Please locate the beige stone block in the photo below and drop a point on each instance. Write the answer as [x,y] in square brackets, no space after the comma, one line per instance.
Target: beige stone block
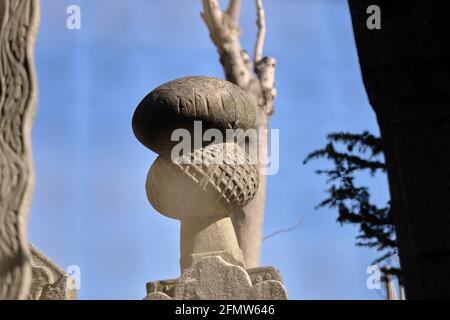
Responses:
[212,278]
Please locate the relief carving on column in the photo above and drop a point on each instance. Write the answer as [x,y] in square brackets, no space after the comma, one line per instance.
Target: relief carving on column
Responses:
[49,281]
[19,20]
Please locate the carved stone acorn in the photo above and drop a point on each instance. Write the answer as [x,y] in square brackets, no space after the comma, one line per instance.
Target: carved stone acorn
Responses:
[219,104]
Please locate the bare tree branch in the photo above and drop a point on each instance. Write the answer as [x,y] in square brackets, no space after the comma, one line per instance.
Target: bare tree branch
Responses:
[261,23]
[264,66]
[224,33]
[265,70]
[213,18]
[299,223]
[234,10]
[258,81]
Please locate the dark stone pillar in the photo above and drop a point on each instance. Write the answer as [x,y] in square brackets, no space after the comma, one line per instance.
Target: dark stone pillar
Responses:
[406,72]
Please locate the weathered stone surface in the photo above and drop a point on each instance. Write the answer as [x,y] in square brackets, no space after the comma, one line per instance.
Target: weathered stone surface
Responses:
[268,290]
[49,282]
[203,188]
[177,104]
[212,278]
[161,286]
[202,194]
[157,296]
[206,237]
[19,21]
[260,274]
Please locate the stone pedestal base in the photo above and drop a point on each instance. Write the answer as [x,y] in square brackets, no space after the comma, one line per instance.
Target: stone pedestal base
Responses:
[212,278]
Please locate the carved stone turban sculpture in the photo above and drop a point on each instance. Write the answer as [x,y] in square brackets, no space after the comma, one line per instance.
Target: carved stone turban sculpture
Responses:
[203,186]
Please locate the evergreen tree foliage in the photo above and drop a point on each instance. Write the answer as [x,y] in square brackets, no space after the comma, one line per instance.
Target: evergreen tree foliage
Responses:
[352,154]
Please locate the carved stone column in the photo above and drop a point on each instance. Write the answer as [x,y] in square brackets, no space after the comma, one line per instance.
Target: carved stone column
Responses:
[203,186]
[18,93]
[25,272]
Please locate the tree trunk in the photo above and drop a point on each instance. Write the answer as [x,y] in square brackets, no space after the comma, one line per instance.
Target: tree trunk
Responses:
[406,72]
[257,79]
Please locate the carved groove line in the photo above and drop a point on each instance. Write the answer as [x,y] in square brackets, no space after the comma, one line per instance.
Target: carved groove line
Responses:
[19,20]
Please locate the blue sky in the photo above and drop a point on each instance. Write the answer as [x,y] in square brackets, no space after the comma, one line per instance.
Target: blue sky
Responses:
[90,207]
